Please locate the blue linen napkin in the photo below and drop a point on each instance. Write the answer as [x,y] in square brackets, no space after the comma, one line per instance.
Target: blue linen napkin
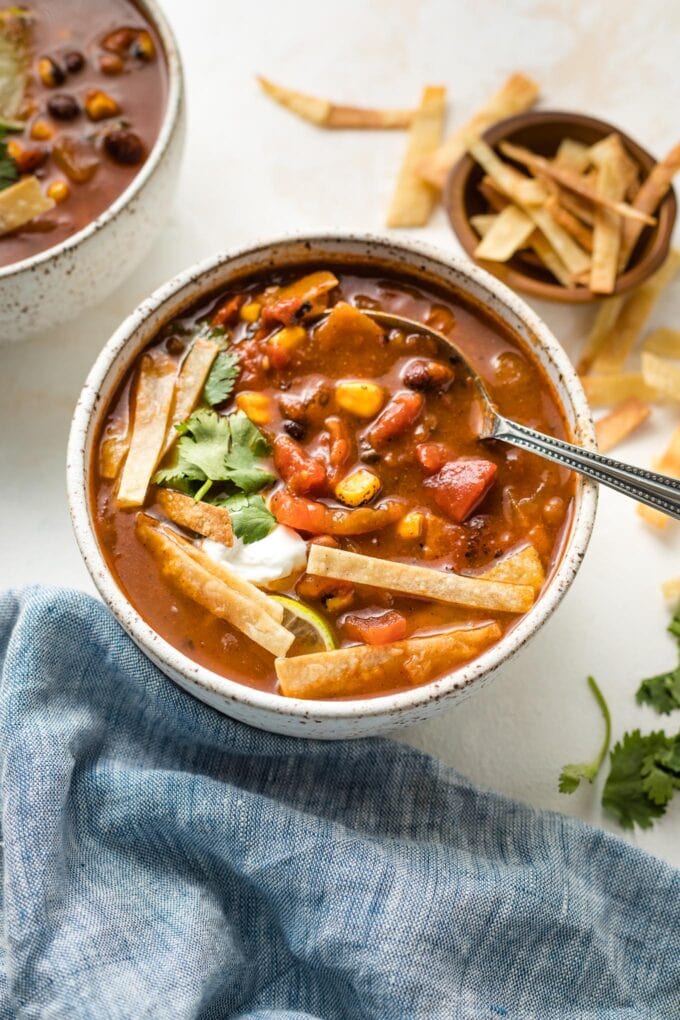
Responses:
[164,861]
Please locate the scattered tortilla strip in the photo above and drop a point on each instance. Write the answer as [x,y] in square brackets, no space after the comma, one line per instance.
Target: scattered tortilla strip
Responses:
[581,234]
[190,383]
[671,589]
[414,199]
[605,390]
[611,184]
[153,400]
[660,359]
[423,582]
[574,182]
[518,93]
[114,446]
[324,113]
[507,178]
[204,518]
[510,231]
[606,317]
[209,591]
[648,199]
[572,155]
[22,202]
[483,223]
[667,464]
[522,567]
[366,669]
[616,426]
[623,336]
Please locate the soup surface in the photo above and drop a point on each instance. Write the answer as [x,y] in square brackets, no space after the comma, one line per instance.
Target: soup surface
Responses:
[312,433]
[80,110]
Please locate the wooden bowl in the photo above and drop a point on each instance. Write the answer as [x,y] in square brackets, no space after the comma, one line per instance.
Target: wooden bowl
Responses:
[542,132]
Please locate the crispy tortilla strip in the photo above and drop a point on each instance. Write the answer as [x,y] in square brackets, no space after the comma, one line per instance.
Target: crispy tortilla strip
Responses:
[308,288]
[508,179]
[324,113]
[494,196]
[574,182]
[414,199]
[671,589]
[521,567]
[203,518]
[605,390]
[518,93]
[190,383]
[616,426]
[114,446]
[661,361]
[510,232]
[628,167]
[611,184]
[648,199]
[572,155]
[153,400]
[16,51]
[423,582]
[21,203]
[550,259]
[605,319]
[579,207]
[366,669]
[623,336]
[578,230]
[483,223]
[202,586]
[668,464]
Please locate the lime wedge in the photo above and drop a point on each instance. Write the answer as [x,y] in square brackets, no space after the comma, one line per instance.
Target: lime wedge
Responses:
[312,632]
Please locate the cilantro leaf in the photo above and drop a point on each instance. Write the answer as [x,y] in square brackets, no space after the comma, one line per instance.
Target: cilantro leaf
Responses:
[248,445]
[624,794]
[250,517]
[571,775]
[221,378]
[661,772]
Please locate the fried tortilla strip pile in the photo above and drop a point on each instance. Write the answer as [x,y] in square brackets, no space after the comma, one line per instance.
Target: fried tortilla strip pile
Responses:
[191,571]
[190,383]
[519,93]
[324,113]
[521,567]
[153,399]
[368,669]
[422,582]
[414,199]
[616,426]
[203,518]
[668,464]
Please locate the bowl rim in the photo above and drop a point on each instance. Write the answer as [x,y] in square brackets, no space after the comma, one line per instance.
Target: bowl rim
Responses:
[376,706]
[152,11]
[632,277]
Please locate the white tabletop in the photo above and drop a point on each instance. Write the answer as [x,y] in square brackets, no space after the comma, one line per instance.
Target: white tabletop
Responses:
[252,170]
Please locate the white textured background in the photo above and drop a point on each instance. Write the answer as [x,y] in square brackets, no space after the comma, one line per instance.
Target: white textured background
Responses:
[252,170]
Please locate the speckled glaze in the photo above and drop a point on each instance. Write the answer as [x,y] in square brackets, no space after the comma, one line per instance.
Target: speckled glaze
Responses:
[56,285]
[322,719]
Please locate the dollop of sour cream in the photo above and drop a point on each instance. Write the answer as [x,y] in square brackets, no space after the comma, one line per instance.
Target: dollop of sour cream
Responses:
[281,553]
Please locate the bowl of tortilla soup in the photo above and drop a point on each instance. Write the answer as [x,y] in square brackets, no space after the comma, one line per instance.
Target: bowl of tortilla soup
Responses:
[286,504]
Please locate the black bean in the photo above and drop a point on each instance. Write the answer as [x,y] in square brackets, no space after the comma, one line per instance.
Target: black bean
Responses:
[124,146]
[368,455]
[295,429]
[74,61]
[63,106]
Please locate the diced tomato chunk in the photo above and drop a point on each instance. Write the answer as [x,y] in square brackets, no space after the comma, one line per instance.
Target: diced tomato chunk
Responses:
[284,311]
[432,456]
[301,473]
[375,627]
[319,519]
[461,485]
[401,412]
[226,313]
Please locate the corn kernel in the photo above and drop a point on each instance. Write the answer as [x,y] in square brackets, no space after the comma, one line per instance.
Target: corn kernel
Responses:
[411,525]
[14,149]
[59,191]
[99,105]
[338,603]
[364,399]
[51,74]
[256,406]
[42,131]
[288,338]
[251,312]
[358,487]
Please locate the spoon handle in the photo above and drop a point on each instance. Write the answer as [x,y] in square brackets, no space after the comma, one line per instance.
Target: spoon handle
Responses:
[658,491]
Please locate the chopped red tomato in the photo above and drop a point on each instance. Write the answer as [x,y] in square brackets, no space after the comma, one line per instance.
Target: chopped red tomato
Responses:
[226,313]
[301,473]
[461,485]
[375,627]
[432,456]
[401,412]
[283,312]
[319,519]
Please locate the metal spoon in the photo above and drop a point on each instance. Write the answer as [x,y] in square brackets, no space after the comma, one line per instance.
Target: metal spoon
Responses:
[658,491]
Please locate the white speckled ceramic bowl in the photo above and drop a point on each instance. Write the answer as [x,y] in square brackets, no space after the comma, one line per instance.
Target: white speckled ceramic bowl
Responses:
[325,719]
[56,285]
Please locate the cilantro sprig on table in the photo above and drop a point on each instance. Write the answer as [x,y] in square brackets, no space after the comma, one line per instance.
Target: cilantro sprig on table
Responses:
[224,451]
[571,775]
[662,692]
